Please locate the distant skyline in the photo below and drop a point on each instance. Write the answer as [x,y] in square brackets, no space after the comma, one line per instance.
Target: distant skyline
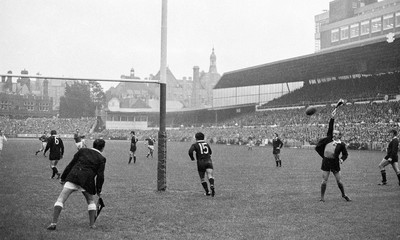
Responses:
[105,39]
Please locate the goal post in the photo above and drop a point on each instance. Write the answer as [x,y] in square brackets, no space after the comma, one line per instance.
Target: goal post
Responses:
[162,134]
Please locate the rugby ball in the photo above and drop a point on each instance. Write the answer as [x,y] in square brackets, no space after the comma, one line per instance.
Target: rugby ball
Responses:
[311,110]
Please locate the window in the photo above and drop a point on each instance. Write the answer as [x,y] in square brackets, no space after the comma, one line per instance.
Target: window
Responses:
[344,33]
[376,25]
[354,30]
[365,28]
[388,21]
[335,35]
[398,19]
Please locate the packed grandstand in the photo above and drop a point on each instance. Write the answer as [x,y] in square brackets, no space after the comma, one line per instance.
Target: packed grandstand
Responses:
[372,109]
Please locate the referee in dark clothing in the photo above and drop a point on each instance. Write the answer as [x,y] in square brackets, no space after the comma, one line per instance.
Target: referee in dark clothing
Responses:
[329,148]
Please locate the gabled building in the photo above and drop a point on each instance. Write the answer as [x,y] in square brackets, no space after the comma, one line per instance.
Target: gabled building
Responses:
[136,105]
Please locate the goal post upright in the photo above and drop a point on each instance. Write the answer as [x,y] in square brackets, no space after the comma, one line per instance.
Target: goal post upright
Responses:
[162,134]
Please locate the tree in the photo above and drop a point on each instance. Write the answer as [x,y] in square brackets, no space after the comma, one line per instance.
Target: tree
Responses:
[97,94]
[77,101]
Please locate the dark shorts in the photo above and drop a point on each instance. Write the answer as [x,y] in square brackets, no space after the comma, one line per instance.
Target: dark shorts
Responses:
[395,159]
[133,149]
[330,165]
[203,166]
[276,151]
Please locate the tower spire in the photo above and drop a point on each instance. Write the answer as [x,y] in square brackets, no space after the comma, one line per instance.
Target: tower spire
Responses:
[213,62]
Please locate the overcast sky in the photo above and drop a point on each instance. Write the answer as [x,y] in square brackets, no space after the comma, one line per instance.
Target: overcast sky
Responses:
[106,38]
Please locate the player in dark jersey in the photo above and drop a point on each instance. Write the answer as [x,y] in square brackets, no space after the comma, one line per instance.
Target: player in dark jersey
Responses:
[132,149]
[276,149]
[391,158]
[85,173]
[150,146]
[330,148]
[204,162]
[56,146]
[43,139]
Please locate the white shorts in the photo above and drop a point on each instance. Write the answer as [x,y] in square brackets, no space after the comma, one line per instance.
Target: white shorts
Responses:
[151,147]
[73,186]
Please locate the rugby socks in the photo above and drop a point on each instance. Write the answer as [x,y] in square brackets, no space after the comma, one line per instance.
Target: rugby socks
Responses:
[383,173]
[54,172]
[277,164]
[134,159]
[92,217]
[205,186]
[130,159]
[211,180]
[280,163]
[56,214]
[398,177]
[323,189]
[92,210]
[340,185]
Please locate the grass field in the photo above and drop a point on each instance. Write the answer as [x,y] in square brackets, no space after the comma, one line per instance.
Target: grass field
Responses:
[254,200]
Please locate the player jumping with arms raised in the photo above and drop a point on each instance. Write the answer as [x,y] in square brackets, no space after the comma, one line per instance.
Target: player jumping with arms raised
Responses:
[329,148]
[204,162]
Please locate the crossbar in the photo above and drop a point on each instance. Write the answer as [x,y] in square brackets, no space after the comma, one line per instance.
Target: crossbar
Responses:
[81,79]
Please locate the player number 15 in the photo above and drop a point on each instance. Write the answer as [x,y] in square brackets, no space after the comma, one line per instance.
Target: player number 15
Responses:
[203,148]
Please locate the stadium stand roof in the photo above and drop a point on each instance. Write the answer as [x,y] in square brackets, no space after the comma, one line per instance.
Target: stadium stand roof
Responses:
[378,57]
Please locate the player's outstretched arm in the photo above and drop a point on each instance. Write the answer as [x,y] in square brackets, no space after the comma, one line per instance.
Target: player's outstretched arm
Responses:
[333,114]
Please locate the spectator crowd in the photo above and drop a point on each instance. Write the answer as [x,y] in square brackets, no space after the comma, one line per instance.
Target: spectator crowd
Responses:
[364,126]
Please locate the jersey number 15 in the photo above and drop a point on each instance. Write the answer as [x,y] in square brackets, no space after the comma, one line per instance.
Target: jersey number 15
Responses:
[203,148]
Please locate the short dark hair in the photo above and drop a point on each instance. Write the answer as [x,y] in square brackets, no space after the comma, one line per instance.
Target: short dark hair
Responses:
[99,144]
[394,131]
[133,132]
[53,132]
[199,136]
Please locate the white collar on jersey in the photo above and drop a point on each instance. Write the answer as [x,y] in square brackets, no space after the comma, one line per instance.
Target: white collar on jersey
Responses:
[337,142]
[96,150]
